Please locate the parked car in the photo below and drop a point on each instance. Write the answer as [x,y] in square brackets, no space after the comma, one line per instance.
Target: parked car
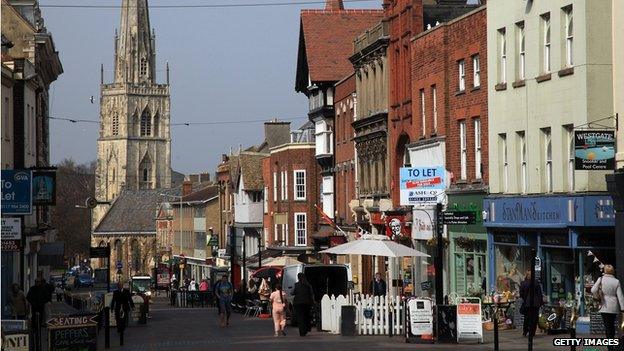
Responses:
[330,279]
[84,280]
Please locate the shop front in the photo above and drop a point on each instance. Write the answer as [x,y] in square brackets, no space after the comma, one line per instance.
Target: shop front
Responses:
[468,247]
[572,235]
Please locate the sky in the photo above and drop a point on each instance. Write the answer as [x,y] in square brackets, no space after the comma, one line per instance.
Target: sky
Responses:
[227,64]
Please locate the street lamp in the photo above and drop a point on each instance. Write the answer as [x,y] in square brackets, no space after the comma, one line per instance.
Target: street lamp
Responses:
[168,205]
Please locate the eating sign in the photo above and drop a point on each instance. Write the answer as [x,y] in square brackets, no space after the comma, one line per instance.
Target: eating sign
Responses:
[422,185]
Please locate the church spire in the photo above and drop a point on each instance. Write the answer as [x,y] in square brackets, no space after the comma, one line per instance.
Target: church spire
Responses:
[135,54]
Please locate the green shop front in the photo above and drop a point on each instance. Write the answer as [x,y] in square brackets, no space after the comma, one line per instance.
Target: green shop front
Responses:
[468,247]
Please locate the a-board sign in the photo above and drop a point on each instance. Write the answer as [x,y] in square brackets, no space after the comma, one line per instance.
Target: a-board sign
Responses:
[420,317]
[15,341]
[99,252]
[469,324]
[73,333]
[459,217]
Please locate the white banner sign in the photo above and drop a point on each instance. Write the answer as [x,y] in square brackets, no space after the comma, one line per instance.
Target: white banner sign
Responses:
[422,225]
[421,317]
[11,228]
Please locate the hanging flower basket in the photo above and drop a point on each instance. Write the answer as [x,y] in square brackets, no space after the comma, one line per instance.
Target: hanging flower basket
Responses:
[433,242]
[465,243]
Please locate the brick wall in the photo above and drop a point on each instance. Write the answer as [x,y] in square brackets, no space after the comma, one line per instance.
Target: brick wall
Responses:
[435,63]
[290,158]
[405,18]
[344,107]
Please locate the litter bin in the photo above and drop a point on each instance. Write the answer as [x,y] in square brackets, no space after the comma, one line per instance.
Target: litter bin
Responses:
[347,321]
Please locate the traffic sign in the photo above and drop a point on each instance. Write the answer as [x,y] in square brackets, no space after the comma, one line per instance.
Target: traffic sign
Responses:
[99,252]
[214,241]
[119,265]
[459,217]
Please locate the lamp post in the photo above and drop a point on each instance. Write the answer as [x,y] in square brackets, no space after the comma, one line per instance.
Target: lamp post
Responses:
[179,228]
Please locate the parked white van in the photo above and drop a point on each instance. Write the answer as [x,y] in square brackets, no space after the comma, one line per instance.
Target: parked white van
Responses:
[331,279]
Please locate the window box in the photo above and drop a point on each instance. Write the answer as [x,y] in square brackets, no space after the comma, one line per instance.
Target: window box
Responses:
[565,71]
[518,83]
[543,77]
[500,86]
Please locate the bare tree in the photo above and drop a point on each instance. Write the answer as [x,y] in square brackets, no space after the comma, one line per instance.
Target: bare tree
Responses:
[75,183]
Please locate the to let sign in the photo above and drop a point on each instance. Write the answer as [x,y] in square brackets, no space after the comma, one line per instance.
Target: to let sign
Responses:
[459,217]
[11,234]
[16,192]
[422,186]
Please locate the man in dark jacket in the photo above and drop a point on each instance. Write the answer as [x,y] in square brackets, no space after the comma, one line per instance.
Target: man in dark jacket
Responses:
[303,301]
[530,308]
[122,305]
[378,286]
[37,297]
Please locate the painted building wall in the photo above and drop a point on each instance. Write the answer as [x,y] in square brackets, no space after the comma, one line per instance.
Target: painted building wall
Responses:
[344,186]
[566,96]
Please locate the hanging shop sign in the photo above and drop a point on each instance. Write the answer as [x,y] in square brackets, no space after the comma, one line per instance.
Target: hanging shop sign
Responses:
[469,323]
[16,192]
[422,186]
[44,187]
[422,223]
[420,317]
[594,150]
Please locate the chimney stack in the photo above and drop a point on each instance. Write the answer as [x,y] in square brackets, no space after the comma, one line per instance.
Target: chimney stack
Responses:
[334,5]
[187,187]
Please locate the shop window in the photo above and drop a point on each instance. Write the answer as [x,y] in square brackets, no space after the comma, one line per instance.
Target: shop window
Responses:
[511,263]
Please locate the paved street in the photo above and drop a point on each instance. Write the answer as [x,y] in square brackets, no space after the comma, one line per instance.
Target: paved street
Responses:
[198,329]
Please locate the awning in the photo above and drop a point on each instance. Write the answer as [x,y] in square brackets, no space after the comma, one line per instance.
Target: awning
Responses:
[52,254]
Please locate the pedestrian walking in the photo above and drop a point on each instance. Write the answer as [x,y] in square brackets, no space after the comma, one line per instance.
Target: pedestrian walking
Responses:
[608,291]
[37,297]
[378,286]
[122,304]
[18,303]
[278,306]
[530,309]
[224,291]
[303,301]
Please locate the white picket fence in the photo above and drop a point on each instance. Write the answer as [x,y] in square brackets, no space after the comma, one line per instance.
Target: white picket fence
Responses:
[331,311]
[380,311]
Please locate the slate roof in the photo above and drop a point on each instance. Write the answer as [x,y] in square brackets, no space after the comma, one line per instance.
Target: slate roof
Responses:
[203,194]
[326,42]
[134,211]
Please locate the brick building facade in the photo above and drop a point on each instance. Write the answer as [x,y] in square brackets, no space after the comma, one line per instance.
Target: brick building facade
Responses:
[290,175]
[344,107]
[449,89]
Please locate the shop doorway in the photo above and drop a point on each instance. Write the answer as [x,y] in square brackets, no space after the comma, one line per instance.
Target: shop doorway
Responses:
[470,273]
[560,272]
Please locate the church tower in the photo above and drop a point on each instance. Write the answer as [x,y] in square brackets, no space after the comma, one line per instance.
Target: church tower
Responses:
[134,146]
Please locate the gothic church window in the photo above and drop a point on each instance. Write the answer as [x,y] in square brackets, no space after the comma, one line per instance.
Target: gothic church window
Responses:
[156,124]
[146,124]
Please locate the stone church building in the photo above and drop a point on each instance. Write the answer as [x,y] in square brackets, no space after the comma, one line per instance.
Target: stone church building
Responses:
[134,145]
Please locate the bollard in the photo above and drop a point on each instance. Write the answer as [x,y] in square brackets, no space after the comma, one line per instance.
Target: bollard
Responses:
[495,320]
[106,327]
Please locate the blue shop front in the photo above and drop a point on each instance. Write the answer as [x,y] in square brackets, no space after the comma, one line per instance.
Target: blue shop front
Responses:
[572,236]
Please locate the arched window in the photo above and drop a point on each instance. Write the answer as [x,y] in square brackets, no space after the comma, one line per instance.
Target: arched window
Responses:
[145,173]
[119,250]
[136,256]
[146,123]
